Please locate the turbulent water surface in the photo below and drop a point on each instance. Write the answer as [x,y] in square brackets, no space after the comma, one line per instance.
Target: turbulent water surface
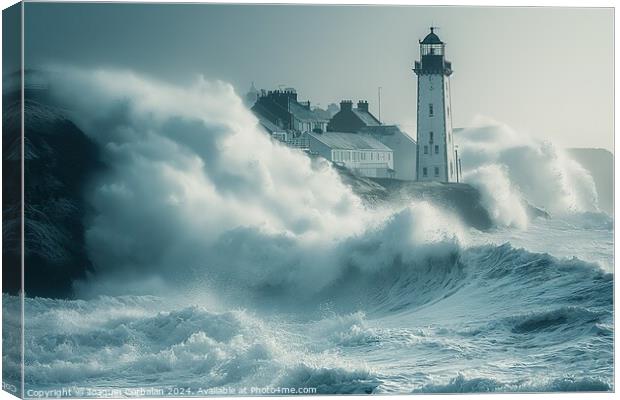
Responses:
[498,318]
[223,263]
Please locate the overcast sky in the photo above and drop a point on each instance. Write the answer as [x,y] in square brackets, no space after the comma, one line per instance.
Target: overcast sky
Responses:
[546,71]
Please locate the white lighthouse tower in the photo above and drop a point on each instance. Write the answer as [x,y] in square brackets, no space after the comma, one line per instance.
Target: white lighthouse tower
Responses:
[436,158]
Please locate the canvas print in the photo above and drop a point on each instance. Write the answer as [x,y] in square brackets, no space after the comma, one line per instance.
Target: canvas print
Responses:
[256,200]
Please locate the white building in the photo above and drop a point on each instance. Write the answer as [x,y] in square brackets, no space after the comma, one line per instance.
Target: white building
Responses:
[436,157]
[361,154]
[360,120]
[403,146]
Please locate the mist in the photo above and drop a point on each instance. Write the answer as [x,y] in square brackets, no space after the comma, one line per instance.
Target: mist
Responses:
[513,168]
[196,195]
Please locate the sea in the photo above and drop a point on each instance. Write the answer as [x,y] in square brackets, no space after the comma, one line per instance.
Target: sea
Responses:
[508,311]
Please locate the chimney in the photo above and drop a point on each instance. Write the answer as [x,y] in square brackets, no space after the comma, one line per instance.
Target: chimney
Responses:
[346,105]
[362,105]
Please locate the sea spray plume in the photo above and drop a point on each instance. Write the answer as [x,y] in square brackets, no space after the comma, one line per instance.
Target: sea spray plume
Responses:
[501,200]
[196,194]
[543,173]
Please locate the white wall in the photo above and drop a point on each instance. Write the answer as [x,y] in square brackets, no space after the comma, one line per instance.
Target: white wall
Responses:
[435,89]
[364,158]
[404,148]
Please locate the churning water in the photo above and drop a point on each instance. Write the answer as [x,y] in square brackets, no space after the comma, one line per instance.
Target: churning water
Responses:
[226,262]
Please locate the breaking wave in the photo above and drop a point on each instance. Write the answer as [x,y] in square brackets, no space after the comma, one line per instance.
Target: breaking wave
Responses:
[126,339]
[513,167]
[270,272]
[461,384]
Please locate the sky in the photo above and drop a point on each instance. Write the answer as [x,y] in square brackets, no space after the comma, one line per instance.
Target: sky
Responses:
[547,72]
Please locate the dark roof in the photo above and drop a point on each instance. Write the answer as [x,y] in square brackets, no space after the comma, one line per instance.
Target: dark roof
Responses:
[381,129]
[301,112]
[349,141]
[268,125]
[431,38]
[367,118]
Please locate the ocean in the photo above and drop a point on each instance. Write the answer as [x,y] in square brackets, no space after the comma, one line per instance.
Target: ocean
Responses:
[499,316]
[226,263]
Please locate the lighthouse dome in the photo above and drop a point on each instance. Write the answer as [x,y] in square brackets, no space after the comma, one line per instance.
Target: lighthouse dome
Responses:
[431,38]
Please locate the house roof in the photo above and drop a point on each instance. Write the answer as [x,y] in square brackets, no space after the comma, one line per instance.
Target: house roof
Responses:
[268,125]
[381,130]
[367,118]
[301,112]
[349,141]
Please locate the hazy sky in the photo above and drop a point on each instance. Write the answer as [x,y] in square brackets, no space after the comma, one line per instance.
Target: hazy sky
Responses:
[546,71]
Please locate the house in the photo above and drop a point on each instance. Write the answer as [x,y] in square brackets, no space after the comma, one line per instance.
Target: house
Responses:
[362,154]
[272,129]
[359,120]
[350,119]
[282,108]
[403,146]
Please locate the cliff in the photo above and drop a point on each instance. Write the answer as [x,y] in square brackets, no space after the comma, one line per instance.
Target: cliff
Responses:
[458,198]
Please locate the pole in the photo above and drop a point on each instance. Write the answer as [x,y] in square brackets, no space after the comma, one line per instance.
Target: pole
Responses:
[456,161]
[379,92]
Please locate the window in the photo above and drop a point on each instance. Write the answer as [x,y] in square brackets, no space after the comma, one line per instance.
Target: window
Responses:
[425,149]
[451,169]
[430,109]
[424,172]
[432,137]
[389,156]
[436,171]
[436,149]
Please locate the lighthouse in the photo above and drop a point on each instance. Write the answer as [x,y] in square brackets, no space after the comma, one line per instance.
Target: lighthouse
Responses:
[436,159]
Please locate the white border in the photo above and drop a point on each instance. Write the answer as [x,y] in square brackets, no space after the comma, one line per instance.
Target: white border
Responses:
[512,3]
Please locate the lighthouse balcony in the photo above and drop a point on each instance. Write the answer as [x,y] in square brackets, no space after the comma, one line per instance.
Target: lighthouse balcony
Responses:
[425,68]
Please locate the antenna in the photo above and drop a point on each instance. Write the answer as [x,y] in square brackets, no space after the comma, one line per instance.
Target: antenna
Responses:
[379,94]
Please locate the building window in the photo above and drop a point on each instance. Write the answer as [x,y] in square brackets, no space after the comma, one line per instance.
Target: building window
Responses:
[430,110]
[436,171]
[436,149]
[389,156]
[451,169]
[425,149]
[424,172]
[432,137]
